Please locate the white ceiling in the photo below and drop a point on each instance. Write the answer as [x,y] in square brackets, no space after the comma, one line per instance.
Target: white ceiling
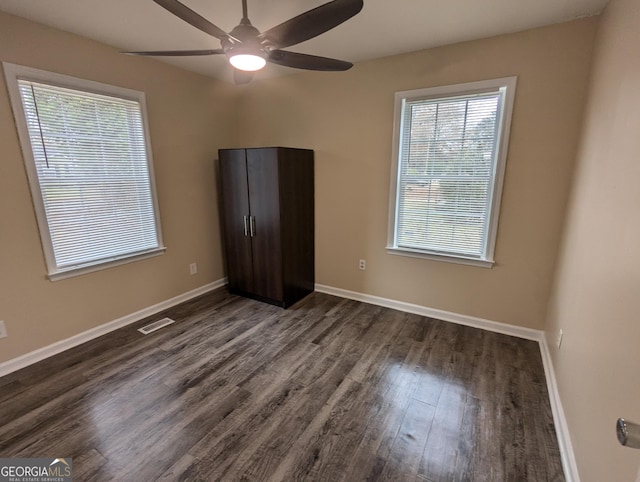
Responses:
[383,27]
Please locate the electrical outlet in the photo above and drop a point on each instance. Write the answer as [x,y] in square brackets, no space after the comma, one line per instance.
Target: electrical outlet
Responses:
[3,330]
[362,264]
[559,339]
[193,268]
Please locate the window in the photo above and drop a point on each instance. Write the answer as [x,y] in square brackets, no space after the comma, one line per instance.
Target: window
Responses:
[450,145]
[88,159]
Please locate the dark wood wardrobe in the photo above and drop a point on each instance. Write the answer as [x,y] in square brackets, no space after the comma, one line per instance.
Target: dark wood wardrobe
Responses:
[268,222]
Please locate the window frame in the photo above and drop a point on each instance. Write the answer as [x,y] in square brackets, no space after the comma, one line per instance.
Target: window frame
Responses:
[504,117]
[13,73]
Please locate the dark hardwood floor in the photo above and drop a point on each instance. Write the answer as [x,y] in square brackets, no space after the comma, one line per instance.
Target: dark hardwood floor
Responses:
[330,389]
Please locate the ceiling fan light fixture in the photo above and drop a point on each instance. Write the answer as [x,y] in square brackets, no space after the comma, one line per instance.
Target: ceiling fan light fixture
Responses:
[247,62]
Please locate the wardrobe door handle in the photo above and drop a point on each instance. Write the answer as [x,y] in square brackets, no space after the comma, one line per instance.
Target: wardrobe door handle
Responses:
[246,227]
[252,225]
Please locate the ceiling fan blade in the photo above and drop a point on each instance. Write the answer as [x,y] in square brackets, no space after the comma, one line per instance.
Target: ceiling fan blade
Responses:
[242,77]
[193,18]
[308,62]
[178,53]
[311,23]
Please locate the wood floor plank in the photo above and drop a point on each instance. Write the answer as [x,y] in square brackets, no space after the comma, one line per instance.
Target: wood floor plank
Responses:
[405,455]
[441,452]
[292,417]
[287,443]
[330,389]
[87,465]
[391,399]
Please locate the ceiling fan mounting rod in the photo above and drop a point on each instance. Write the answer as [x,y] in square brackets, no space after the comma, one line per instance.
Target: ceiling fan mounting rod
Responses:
[245,15]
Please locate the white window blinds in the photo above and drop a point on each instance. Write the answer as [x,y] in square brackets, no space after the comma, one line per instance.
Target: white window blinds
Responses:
[93,174]
[448,151]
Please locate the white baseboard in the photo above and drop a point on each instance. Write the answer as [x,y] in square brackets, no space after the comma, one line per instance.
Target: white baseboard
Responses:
[562,430]
[62,345]
[559,420]
[488,325]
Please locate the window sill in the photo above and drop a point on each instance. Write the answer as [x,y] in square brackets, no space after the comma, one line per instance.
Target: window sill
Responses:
[447,258]
[78,271]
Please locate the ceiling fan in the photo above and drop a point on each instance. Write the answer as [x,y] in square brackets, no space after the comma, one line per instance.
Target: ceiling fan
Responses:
[248,49]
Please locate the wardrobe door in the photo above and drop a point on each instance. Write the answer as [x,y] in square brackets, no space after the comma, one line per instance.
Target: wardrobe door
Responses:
[264,199]
[235,219]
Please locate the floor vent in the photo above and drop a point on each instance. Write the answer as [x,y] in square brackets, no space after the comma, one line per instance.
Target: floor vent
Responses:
[156,325]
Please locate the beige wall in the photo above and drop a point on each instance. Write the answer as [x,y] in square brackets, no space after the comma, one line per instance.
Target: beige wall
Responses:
[596,299]
[348,119]
[188,120]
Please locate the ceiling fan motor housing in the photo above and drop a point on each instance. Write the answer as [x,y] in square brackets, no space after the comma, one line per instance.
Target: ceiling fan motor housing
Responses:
[249,43]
